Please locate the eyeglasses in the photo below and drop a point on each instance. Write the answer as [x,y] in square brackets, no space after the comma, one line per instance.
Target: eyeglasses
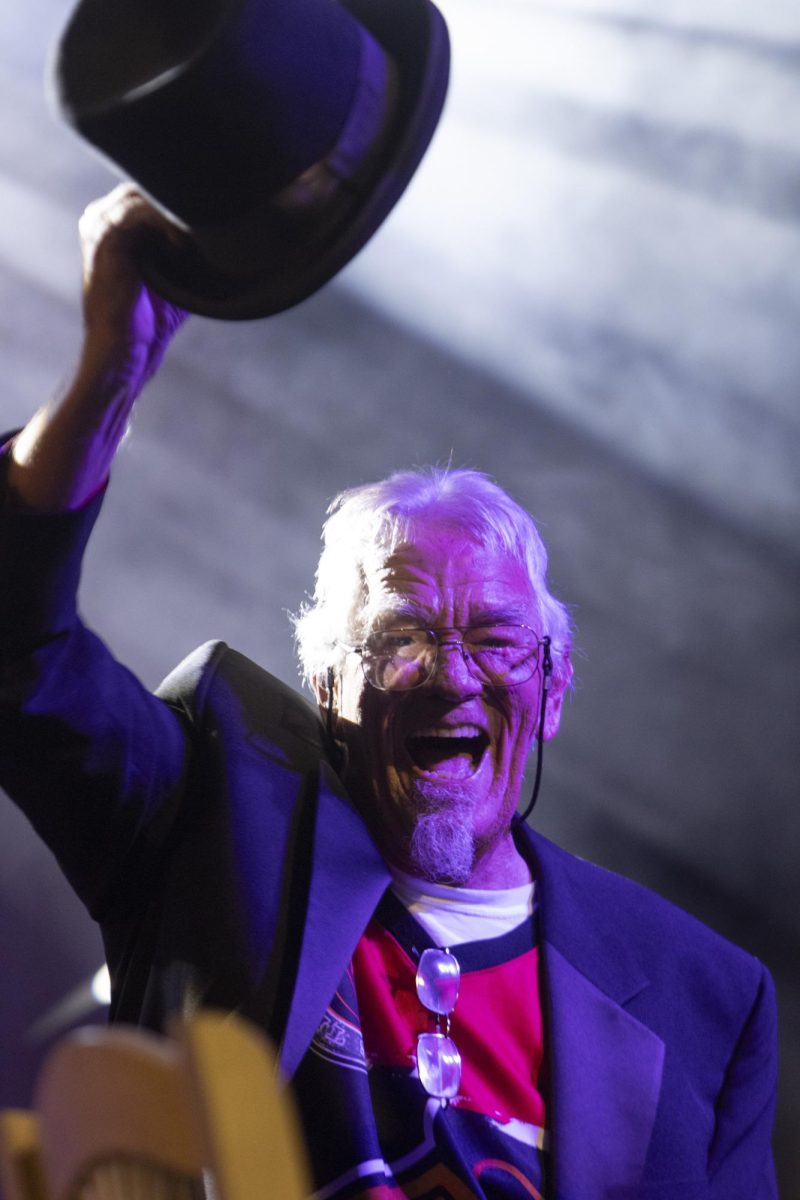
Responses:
[438,1060]
[397,660]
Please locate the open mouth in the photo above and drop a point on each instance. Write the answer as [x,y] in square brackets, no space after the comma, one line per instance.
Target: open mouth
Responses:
[453,752]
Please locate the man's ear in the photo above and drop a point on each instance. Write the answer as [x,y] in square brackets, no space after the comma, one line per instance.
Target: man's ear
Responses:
[555,700]
[552,714]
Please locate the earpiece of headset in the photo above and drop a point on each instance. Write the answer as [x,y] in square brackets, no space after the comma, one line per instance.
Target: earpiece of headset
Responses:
[337,750]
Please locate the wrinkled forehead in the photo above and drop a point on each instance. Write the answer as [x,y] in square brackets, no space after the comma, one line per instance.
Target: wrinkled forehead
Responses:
[442,576]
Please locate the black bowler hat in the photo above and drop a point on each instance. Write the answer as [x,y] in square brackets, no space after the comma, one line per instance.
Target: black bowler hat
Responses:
[216,107]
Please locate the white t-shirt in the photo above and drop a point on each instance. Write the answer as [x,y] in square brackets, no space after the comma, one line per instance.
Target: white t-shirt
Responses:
[451,915]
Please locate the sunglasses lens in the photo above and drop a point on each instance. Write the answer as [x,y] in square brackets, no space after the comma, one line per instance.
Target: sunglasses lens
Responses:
[438,976]
[438,1065]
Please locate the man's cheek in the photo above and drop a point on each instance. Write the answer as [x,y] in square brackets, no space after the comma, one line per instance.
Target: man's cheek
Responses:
[376,734]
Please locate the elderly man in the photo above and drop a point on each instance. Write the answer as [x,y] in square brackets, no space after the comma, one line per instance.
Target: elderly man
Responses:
[465,1010]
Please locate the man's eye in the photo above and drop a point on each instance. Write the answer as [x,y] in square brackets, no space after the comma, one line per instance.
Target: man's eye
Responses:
[494,638]
[393,641]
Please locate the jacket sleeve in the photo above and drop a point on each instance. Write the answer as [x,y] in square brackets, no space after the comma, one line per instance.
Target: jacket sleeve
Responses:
[740,1162]
[94,760]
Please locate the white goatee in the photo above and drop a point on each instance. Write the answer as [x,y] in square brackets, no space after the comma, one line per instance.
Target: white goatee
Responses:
[441,848]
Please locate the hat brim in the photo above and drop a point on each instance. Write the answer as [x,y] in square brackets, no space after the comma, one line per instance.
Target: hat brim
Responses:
[297,259]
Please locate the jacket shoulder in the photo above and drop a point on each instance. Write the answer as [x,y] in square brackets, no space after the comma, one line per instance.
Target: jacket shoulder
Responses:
[229,695]
[663,937]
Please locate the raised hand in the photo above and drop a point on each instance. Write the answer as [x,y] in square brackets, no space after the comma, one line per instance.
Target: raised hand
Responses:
[65,452]
[127,324]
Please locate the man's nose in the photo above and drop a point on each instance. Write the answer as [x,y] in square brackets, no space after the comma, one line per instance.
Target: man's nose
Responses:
[455,673]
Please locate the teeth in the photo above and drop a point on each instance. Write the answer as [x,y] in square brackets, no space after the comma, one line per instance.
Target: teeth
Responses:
[433,758]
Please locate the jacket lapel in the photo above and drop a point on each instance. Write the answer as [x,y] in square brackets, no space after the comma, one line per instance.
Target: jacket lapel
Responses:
[606,1072]
[606,1066]
[331,877]
[347,879]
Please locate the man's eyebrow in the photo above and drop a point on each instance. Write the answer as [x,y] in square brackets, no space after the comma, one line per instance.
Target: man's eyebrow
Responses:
[405,611]
[402,611]
[507,615]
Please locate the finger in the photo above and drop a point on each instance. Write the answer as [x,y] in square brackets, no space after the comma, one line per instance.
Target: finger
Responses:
[122,216]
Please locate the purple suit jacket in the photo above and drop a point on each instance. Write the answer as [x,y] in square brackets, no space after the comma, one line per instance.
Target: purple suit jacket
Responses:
[208,834]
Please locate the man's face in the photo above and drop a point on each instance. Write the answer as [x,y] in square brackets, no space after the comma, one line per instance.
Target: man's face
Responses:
[437,770]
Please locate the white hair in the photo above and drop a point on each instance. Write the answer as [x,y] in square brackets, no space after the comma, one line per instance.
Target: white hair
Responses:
[366,524]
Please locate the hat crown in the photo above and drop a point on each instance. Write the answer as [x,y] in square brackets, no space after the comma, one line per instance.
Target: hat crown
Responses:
[111,48]
[209,104]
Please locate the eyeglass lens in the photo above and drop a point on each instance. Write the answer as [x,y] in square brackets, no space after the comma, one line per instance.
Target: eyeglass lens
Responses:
[438,979]
[438,1065]
[438,1060]
[402,659]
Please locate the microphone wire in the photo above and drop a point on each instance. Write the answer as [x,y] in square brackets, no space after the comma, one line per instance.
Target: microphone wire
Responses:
[547,671]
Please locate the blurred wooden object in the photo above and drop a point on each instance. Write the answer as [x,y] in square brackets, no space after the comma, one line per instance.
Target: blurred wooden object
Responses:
[21,1174]
[128,1115]
[249,1124]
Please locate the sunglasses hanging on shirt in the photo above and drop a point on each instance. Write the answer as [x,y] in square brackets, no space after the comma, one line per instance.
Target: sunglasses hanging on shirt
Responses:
[438,1059]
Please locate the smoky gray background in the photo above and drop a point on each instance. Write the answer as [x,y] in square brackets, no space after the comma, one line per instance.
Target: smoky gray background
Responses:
[591,291]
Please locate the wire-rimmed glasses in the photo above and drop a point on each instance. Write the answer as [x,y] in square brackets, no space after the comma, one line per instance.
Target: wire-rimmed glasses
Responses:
[398,660]
[438,1059]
